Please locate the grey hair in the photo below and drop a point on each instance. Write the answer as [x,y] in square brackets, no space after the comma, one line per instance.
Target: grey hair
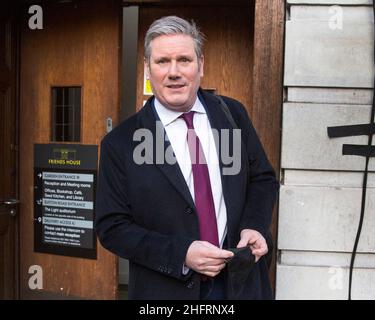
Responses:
[173,25]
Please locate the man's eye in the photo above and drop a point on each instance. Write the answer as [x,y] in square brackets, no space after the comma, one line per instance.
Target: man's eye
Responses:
[184,60]
[161,61]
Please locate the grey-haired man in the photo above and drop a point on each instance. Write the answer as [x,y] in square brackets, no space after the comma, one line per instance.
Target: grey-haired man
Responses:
[174,221]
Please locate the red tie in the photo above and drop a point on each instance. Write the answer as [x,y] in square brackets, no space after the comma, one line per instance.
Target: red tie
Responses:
[204,201]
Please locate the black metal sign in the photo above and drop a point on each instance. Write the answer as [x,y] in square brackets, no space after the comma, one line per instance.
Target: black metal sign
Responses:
[64,199]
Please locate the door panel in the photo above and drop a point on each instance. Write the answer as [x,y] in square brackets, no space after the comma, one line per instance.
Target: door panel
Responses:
[78,46]
[8,222]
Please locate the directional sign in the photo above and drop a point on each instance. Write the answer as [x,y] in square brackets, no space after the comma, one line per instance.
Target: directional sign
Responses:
[64,199]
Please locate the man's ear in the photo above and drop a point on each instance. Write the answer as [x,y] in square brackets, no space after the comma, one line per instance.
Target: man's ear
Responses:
[201,65]
[147,69]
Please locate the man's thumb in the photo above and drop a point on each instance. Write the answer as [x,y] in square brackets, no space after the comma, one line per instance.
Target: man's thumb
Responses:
[243,243]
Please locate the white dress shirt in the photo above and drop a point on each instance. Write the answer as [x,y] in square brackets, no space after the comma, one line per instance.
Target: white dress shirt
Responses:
[176,131]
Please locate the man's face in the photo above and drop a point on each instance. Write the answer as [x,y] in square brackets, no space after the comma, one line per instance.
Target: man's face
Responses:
[174,71]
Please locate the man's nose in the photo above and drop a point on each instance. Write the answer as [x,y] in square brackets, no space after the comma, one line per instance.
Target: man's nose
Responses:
[173,70]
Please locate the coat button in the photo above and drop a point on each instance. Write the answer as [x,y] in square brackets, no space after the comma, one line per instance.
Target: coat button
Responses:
[190,285]
[188,210]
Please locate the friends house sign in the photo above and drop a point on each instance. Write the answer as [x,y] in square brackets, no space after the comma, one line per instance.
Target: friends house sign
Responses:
[64,199]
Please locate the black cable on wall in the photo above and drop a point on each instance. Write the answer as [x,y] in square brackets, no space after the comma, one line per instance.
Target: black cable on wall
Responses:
[365,151]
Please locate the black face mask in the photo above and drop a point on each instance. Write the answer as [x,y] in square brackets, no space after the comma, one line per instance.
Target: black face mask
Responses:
[239,268]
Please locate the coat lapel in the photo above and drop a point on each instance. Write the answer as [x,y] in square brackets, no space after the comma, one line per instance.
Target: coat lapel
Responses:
[148,119]
[231,184]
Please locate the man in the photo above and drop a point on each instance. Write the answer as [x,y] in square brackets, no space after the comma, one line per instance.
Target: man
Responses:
[175,220]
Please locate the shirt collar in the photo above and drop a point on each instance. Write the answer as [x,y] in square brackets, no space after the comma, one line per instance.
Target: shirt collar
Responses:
[167,116]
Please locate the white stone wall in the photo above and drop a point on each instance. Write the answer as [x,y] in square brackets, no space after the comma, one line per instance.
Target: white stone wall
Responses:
[328,79]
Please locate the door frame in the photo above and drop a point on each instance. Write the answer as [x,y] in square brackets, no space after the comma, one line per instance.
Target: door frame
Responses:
[268,90]
[12,16]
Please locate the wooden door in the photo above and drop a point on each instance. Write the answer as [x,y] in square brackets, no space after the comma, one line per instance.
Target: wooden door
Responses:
[8,172]
[227,51]
[79,46]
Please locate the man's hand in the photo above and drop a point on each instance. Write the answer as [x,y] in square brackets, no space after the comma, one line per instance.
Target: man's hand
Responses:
[255,241]
[205,258]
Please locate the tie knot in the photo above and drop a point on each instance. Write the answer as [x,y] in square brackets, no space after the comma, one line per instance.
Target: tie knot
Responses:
[188,117]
